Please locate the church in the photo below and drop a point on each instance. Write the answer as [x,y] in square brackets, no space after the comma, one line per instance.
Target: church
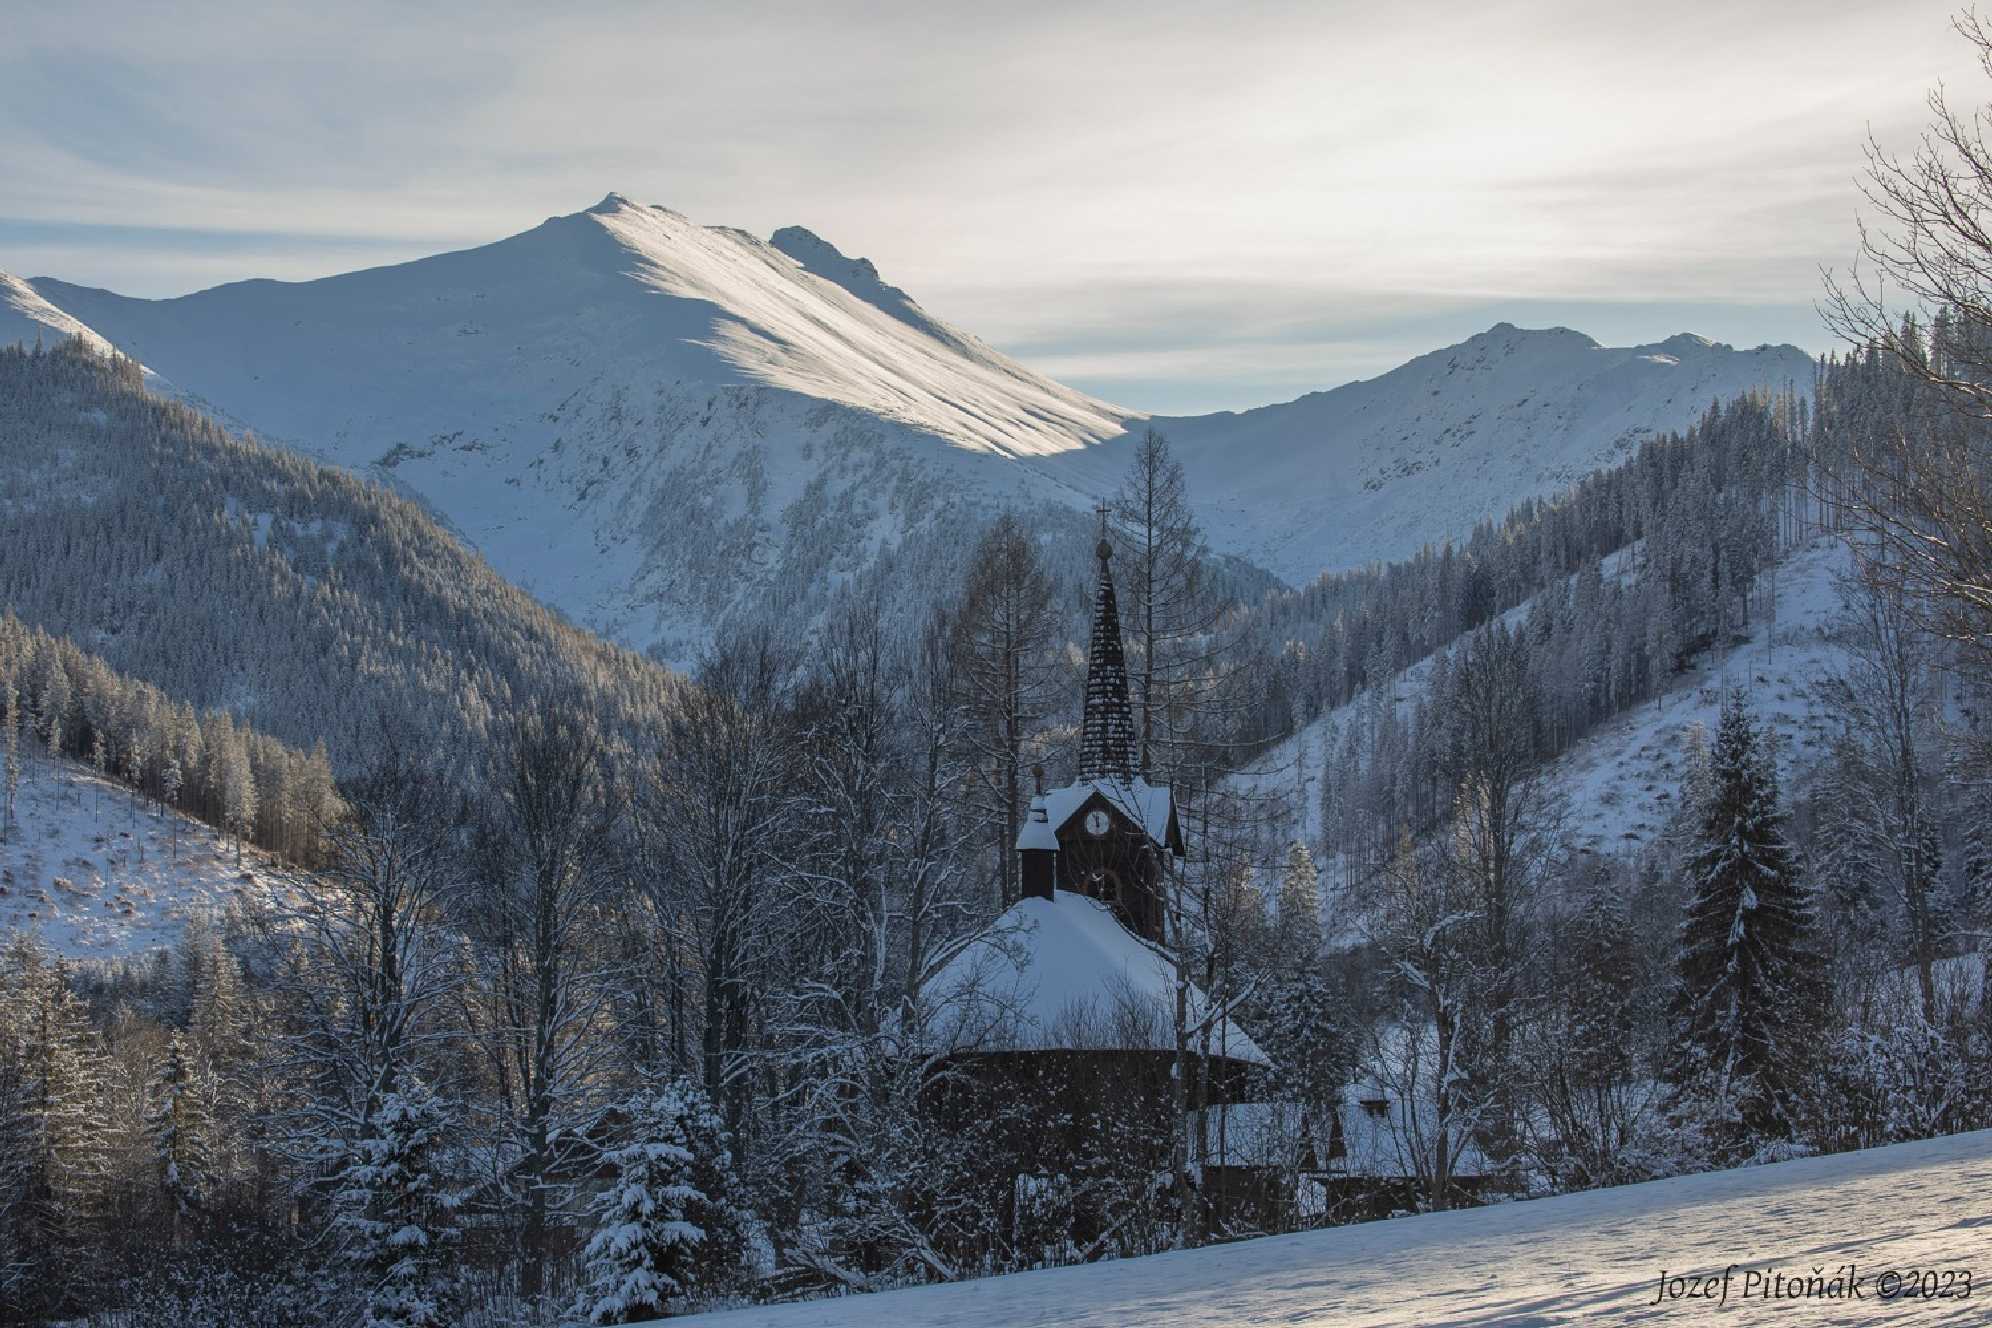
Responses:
[1060,1020]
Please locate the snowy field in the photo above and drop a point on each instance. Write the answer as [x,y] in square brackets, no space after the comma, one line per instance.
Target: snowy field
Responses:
[1593,1258]
[95,876]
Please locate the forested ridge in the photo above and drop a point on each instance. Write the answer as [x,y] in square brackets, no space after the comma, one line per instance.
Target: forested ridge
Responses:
[306,602]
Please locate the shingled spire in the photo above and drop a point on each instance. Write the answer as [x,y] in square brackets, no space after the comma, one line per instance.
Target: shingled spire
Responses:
[1106,737]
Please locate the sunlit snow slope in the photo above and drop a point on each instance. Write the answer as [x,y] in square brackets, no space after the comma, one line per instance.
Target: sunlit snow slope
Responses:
[92,872]
[647,422]
[26,318]
[1592,1258]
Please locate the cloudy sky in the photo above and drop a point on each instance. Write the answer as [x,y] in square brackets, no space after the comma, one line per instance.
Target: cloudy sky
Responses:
[1176,207]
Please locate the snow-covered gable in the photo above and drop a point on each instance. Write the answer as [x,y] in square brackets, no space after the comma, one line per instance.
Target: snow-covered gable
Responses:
[1064,974]
[1257,1134]
[1380,1134]
[1141,802]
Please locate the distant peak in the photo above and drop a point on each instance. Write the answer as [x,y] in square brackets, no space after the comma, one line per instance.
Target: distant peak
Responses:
[818,255]
[858,276]
[611,202]
[1687,341]
[1507,332]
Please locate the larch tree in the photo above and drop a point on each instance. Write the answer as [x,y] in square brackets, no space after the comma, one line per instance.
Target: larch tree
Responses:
[1877,784]
[1008,629]
[1170,613]
[541,908]
[1920,487]
[367,965]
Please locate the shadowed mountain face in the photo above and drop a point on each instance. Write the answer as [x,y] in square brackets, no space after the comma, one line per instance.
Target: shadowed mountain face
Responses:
[657,426]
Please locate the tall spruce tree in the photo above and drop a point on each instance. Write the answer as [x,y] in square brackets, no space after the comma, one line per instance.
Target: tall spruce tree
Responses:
[393,1214]
[1748,984]
[669,1226]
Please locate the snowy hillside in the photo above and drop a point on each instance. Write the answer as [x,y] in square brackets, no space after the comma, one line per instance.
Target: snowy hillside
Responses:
[93,874]
[651,424]
[1373,470]
[1621,781]
[1590,1258]
[1618,784]
[644,421]
[25,318]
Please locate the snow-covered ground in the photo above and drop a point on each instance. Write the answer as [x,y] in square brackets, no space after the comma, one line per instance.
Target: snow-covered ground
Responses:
[1593,1258]
[94,876]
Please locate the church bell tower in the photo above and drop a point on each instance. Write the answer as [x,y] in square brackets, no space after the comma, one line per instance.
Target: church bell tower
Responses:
[1109,833]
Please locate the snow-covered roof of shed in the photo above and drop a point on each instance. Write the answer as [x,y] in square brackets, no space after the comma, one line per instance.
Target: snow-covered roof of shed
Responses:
[1141,802]
[1380,1130]
[1261,1134]
[1064,974]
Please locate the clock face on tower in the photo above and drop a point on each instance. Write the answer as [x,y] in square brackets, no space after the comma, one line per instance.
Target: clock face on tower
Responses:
[1097,823]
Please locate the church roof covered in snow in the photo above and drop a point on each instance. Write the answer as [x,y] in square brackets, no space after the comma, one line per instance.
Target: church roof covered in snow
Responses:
[1064,974]
[1138,800]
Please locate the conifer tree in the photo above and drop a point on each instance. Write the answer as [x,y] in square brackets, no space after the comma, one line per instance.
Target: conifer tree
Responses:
[1748,985]
[12,758]
[395,1215]
[54,1148]
[668,1227]
[182,1124]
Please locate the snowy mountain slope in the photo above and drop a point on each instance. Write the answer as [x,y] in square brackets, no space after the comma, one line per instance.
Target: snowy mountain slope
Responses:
[653,424]
[1372,470]
[1621,781]
[25,318]
[646,422]
[94,874]
[1618,784]
[1590,1258]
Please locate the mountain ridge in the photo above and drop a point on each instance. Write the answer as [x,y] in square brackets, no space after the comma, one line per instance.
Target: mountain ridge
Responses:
[658,427]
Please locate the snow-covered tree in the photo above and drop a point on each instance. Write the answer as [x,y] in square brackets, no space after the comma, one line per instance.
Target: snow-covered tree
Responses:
[1748,987]
[668,1226]
[395,1214]
[52,1147]
[182,1126]
[10,759]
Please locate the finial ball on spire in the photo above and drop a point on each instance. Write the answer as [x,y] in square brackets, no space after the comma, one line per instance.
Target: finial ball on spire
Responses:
[1106,550]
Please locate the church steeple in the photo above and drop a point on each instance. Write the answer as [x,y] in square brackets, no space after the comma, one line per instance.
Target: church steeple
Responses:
[1106,736]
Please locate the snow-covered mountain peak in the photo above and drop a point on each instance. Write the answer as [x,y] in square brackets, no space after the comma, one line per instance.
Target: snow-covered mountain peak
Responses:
[859,276]
[622,408]
[647,422]
[1377,468]
[1687,343]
